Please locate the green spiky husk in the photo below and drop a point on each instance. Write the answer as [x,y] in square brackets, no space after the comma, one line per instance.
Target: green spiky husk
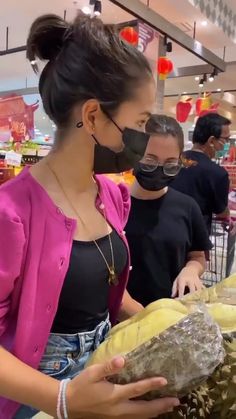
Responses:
[215,399]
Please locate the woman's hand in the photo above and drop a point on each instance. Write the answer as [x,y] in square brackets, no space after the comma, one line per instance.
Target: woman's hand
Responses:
[188,278]
[90,395]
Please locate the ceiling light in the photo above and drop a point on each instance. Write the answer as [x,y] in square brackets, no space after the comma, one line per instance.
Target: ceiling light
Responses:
[213,74]
[203,80]
[86,10]
[201,83]
[197,78]
[219,90]
[184,93]
[98,8]
[204,23]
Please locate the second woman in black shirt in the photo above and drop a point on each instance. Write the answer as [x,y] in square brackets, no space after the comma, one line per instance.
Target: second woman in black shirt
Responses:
[166,231]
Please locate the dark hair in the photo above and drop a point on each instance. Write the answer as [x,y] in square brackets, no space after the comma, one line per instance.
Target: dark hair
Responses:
[165,125]
[87,59]
[207,126]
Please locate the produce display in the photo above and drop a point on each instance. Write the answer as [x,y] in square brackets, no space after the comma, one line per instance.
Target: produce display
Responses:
[191,342]
[167,339]
[216,398]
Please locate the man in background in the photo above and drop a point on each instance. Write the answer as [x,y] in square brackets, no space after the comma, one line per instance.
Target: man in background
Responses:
[201,178]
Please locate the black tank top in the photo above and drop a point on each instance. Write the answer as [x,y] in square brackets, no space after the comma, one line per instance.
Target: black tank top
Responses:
[83,302]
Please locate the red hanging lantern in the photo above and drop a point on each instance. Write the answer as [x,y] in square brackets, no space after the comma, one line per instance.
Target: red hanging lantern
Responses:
[130,35]
[164,67]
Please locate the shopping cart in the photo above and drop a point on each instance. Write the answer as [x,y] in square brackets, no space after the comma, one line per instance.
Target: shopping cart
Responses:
[221,256]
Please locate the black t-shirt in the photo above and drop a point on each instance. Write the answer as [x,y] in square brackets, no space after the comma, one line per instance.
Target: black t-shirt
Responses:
[83,302]
[206,182]
[161,233]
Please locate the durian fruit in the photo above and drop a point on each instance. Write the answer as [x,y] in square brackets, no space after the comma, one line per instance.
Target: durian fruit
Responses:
[215,399]
[166,303]
[222,386]
[224,315]
[125,339]
[217,293]
[172,304]
[229,282]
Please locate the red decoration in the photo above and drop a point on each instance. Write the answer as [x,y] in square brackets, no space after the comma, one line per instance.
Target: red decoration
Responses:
[203,103]
[164,67]
[16,118]
[212,109]
[183,109]
[130,35]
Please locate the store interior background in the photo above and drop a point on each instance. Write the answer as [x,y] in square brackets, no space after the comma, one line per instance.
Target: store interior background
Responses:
[16,72]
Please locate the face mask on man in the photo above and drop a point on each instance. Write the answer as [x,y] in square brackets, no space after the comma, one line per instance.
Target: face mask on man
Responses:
[108,161]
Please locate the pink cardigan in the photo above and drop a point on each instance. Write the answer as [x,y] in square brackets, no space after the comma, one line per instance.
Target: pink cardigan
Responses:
[35,247]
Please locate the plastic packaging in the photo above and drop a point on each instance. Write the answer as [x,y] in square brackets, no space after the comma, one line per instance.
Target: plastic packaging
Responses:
[186,354]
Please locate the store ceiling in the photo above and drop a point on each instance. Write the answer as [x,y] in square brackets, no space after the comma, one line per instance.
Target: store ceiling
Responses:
[16,73]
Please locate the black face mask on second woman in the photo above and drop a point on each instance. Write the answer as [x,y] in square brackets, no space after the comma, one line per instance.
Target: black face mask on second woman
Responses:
[152,181]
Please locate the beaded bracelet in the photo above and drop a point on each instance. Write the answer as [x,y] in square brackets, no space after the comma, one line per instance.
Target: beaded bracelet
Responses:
[61,401]
[59,416]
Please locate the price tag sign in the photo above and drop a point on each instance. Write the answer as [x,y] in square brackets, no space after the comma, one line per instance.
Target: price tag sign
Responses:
[13,159]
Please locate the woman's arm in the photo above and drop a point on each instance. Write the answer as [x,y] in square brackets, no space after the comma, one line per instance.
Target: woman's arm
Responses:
[23,384]
[196,262]
[129,307]
[190,275]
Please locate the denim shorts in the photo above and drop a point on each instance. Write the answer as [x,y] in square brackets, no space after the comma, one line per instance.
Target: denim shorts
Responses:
[65,357]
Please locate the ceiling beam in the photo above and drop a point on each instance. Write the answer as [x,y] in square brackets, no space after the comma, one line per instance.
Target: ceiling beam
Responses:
[157,22]
[13,50]
[20,92]
[199,93]
[195,70]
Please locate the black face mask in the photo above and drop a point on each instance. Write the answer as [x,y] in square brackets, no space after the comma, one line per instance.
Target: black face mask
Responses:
[107,161]
[153,181]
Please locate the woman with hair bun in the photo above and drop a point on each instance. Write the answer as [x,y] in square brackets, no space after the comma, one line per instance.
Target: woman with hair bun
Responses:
[64,260]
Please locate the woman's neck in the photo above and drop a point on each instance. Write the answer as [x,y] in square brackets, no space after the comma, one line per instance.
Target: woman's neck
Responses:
[138,192]
[73,164]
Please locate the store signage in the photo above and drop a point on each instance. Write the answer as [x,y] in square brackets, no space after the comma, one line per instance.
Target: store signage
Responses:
[13,159]
[146,35]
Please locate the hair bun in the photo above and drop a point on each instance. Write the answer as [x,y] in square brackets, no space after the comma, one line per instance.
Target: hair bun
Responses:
[46,37]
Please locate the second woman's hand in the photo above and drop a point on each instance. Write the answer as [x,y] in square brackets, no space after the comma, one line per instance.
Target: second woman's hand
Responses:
[186,279]
[91,395]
